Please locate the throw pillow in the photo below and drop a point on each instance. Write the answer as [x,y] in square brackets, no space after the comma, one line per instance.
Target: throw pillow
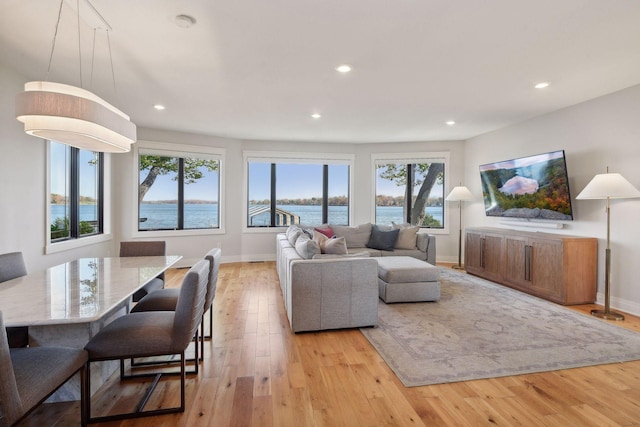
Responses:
[382,240]
[306,247]
[320,239]
[335,246]
[355,237]
[292,234]
[407,237]
[328,231]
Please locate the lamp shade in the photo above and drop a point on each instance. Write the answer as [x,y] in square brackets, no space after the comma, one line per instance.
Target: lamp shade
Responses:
[609,186]
[459,194]
[75,117]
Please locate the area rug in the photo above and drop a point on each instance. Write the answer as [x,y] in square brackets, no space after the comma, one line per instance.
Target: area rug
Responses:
[482,330]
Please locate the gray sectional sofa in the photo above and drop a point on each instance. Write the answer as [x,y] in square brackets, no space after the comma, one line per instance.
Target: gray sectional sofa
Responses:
[329,291]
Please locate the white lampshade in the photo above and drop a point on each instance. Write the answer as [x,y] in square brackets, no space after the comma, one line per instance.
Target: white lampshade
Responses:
[459,194]
[609,186]
[75,117]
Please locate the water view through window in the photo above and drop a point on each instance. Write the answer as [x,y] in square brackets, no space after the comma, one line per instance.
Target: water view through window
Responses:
[178,193]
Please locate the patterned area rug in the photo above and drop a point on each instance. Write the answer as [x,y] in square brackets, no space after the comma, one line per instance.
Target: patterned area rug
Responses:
[482,330]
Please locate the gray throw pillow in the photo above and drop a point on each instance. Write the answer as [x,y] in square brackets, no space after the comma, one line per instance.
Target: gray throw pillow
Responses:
[382,240]
[306,247]
[292,234]
[355,237]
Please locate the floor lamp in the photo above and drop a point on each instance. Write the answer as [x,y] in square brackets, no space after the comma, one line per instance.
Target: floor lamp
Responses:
[608,186]
[459,194]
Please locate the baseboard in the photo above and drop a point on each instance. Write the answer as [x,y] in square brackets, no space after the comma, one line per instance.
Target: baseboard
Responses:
[620,304]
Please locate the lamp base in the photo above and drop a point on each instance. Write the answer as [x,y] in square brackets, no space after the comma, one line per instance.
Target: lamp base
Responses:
[607,315]
[458,267]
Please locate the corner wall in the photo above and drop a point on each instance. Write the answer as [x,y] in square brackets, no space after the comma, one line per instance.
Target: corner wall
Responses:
[594,134]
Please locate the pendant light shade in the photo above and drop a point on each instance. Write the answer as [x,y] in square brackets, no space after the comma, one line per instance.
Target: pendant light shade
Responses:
[74,116]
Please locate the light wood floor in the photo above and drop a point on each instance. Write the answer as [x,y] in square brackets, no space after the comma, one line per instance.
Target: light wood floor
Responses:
[257,373]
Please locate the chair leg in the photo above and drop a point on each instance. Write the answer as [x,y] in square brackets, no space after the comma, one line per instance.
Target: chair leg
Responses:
[139,412]
[84,395]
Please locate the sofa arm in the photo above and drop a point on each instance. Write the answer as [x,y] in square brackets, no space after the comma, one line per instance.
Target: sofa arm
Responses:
[427,243]
[333,294]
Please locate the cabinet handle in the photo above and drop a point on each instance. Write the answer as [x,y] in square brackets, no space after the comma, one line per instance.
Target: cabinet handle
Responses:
[482,252]
[527,262]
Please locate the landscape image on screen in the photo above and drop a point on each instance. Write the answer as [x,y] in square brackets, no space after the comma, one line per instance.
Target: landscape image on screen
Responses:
[534,187]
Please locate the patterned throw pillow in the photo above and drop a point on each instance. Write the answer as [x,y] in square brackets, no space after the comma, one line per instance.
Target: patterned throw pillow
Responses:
[335,246]
[306,247]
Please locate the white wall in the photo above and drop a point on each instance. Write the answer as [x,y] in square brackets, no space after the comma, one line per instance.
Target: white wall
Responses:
[595,134]
[22,187]
[259,245]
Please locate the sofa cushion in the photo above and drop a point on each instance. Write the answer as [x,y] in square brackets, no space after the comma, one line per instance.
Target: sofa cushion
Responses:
[355,237]
[335,246]
[406,237]
[383,240]
[403,269]
[306,247]
[363,254]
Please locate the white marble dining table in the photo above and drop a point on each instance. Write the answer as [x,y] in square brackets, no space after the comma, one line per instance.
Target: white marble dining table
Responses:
[79,291]
[67,304]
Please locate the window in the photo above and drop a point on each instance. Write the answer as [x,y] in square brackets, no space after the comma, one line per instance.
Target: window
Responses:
[285,191]
[178,192]
[410,189]
[76,192]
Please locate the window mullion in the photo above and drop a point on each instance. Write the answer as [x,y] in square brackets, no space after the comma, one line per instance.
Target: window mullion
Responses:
[180,193]
[273,195]
[325,194]
[74,197]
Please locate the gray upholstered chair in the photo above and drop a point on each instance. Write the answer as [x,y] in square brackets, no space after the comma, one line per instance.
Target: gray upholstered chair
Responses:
[11,267]
[165,299]
[148,334]
[145,248]
[30,375]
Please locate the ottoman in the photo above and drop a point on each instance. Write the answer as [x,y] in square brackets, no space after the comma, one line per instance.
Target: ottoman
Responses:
[407,279]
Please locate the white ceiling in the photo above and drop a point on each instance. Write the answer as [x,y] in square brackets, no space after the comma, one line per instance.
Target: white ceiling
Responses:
[257,69]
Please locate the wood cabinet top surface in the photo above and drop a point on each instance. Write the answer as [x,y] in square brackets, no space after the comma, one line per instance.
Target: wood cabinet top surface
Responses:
[529,234]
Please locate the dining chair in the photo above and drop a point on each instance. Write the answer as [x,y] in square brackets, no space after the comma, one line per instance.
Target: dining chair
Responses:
[149,334]
[145,248]
[11,267]
[28,376]
[165,299]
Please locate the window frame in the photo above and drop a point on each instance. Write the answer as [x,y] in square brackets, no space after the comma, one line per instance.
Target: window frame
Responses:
[295,158]
[413,158]
[177,150]
[104,196]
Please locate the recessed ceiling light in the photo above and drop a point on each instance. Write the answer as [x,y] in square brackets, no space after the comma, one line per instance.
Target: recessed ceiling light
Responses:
[541,85]
[159,107]
[316,116]
[344,68]
[450,122]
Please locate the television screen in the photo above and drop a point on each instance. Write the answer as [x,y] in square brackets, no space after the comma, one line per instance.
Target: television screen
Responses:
[534,187]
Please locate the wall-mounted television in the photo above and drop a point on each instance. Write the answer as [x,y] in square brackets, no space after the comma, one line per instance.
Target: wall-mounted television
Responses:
[533,187]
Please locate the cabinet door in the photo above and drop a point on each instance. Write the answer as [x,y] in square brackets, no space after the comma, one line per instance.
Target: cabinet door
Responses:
[492,257]
[473,252]
[546,268]
[516,257]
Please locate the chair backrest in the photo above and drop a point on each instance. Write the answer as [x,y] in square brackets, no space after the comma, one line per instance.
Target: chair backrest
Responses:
[10,404]
[144,248]
[12,266]
[214,256]
[190,305]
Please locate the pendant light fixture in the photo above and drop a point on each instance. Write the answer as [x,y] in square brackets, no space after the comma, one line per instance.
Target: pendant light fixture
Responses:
[72,115]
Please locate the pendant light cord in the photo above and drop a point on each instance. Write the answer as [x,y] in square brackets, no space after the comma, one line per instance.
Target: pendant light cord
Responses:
[53,44]
[79,38]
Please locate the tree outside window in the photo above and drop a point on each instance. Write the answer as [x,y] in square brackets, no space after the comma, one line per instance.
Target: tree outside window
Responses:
[410,193]
[178,193]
